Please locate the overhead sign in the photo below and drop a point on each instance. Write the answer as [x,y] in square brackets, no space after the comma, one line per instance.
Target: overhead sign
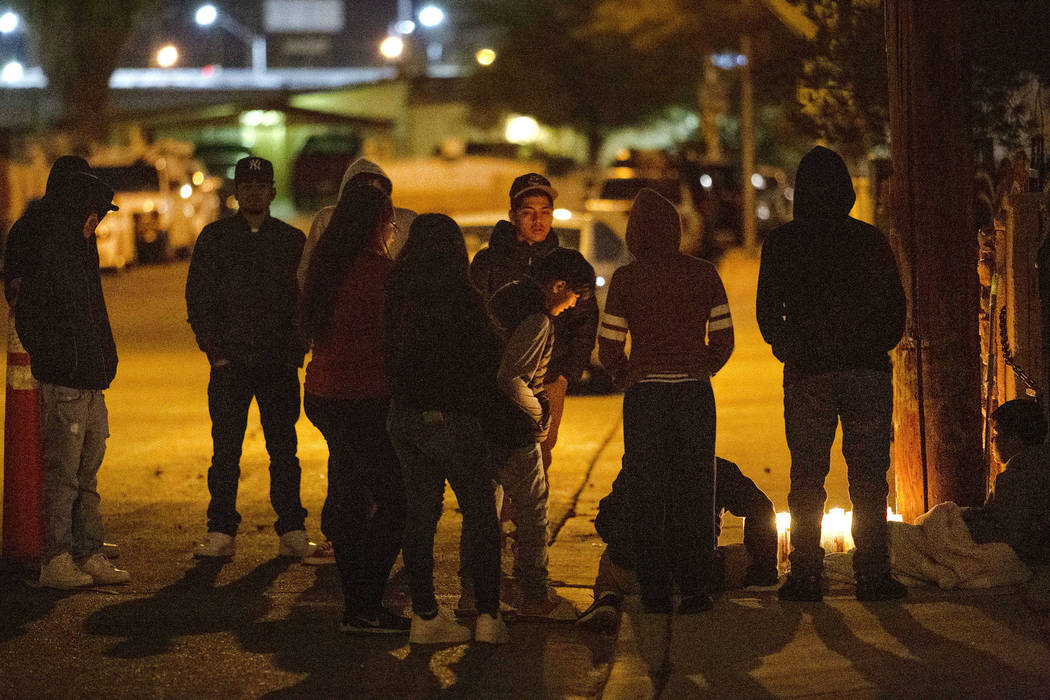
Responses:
[304,16]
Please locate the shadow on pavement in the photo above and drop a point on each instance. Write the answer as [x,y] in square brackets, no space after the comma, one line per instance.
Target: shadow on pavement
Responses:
[934,662]
[722,647]
[21,603]
[192,605]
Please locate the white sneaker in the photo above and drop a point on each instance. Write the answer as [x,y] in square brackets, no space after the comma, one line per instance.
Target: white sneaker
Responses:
[103,572]
[63,574]
[216,544]
[491,630]
[296,544]
[438,630]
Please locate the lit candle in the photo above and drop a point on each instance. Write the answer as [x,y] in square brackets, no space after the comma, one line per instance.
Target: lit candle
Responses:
[783,540]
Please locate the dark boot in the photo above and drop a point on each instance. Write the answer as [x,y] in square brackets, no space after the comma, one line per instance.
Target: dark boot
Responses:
[695,603]
[880,587]
[801,588]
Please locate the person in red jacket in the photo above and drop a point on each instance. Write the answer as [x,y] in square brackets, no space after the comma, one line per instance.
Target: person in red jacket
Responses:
[675,309]
[347,397]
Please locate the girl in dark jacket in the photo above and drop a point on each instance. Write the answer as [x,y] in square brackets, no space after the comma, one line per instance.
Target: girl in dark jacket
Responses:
[347,398]
[441,357]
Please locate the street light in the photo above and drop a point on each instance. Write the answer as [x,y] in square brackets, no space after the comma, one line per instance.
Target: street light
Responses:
[207,15]
[8,22]
[431,16]
[167,56]
[485,57]
[12,72]
[392,47]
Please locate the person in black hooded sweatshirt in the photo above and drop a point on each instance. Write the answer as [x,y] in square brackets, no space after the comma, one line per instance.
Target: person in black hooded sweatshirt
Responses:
[831,305]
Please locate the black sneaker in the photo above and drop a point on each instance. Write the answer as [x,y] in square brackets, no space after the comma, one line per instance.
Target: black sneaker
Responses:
[603,615]
[382,622]
[762,577]
[801,589]
[880,587]
[693,604]
[662,606]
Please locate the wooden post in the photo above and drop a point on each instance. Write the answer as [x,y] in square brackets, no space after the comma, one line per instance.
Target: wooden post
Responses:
[747,150]
[937,414]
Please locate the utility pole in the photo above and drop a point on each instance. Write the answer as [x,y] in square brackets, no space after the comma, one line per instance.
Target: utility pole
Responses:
[937,378]
[747,149]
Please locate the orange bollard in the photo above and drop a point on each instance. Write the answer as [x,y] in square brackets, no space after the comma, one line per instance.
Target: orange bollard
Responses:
[23,533]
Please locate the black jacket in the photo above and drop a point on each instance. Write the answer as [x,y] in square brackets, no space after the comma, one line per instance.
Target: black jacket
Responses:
[442,352]
[242,293]
[507,259]
[829,293]
[61,315]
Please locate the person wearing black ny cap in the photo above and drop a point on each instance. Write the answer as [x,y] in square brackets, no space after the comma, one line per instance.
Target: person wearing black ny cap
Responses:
[241,297]
[62,321]
[514,249]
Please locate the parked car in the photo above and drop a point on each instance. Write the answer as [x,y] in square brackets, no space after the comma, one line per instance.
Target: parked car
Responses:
[318,169]
[164,199]
[601,241]
[614,195]
[220,159]
[717,190]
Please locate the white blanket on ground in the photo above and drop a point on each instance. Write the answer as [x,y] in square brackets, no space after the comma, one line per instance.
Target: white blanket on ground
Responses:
[938,549]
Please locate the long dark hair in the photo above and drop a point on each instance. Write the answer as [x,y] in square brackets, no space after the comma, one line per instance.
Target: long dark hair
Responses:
[356,223]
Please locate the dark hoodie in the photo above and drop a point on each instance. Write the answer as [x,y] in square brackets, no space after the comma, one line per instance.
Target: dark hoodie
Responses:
[829,292]
[61,313]
[441,350]
[507,259]
[673,305]
[23,241]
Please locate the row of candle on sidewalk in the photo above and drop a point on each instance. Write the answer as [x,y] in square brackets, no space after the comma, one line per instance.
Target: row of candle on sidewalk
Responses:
[835,532]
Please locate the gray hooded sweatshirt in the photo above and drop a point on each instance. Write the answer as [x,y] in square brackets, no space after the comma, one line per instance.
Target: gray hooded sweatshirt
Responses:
[402,217]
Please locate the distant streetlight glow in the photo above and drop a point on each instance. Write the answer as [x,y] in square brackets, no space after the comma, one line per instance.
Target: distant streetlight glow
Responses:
[522,130]
[206,14]
[405,26]
[562,214]
[485,57]
[392,47]
[8,22]
[167,56]
[758,181]
[706,181]
[12,72]
[186,191]
[431,16]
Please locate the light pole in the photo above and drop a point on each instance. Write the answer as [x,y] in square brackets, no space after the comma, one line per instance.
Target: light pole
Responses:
[207,15]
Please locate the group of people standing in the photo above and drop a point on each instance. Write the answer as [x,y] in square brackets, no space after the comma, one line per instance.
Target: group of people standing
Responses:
[424,369]
[428,368]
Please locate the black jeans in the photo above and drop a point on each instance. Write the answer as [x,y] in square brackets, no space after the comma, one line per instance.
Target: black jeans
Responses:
[863,400]
[364,512]
[669,446]
[230,393]
[434,446]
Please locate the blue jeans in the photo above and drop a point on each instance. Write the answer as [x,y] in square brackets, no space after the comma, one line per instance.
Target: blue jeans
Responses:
[434,446]
[230,393]
[813,406]
[75,425]
[669,446]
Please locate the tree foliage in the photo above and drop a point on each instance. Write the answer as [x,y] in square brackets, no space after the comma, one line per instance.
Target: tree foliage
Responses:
[79,44]
[552,65]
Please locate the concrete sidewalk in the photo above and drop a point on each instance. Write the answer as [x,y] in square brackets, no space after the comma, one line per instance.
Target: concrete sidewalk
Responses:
[977,643]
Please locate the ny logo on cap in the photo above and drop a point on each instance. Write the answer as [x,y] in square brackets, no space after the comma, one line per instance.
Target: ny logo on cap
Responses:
[536,180]
[255,164]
